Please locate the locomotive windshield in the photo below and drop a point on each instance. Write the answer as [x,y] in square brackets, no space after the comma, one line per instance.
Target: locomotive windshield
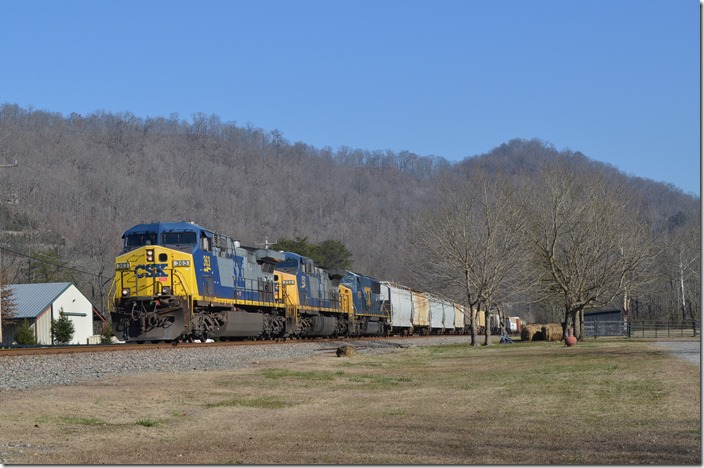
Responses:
[139,239]
[290,264]
[350,280]
[179,239]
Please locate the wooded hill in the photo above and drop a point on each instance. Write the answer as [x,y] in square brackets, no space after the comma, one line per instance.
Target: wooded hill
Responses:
[81,181]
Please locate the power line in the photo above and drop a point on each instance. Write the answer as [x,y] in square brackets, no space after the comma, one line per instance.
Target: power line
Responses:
[58,265]
[63,182]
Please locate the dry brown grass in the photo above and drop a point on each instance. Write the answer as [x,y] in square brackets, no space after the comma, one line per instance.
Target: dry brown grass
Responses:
[610,402]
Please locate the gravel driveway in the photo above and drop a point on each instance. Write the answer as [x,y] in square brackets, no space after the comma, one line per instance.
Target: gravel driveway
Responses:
[689,350]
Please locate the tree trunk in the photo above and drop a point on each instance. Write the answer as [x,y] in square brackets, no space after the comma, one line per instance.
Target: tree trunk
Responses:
[574,317]
[474,325]
[566,323]
[487,328]
[581,325]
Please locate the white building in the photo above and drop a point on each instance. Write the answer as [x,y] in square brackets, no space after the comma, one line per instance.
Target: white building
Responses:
[41,302]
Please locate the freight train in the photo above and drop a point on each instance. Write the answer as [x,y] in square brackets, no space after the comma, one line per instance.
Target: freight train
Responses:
[177,281]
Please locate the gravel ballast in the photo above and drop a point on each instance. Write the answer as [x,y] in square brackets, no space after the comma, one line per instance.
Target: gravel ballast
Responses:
[23,372]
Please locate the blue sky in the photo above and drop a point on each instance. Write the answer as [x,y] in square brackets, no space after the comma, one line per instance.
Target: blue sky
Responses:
[618,80]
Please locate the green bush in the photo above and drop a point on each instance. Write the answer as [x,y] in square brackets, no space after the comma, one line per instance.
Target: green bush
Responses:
[106,336]
[62,330]
[24,334]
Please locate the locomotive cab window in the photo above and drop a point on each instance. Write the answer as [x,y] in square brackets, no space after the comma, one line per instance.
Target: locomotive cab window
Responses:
[288,265]
[205,244]
[132,241]
[179,240]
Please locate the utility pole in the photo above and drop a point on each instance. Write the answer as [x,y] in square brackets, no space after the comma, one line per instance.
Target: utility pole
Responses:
[14,164]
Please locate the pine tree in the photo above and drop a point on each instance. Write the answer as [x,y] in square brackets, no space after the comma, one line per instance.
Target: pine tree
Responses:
[299,245]
[62,329]
[24,334]
[332,254]
[327,254]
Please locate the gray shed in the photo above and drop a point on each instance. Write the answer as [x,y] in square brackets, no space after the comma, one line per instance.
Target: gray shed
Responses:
[605,322]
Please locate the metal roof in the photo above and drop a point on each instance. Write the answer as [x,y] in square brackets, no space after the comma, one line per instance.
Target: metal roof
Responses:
[33,299]
[594,312]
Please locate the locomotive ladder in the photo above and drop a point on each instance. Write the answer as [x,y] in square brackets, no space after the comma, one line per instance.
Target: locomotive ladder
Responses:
[291,312]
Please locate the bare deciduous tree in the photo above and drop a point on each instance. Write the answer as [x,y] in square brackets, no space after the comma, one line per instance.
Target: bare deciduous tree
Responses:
[586,236]
[469,244]
[7,300]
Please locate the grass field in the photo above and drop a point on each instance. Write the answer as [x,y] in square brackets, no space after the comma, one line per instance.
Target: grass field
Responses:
[606,402]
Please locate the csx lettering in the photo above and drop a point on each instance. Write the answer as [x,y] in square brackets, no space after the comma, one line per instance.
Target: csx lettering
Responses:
[151,270]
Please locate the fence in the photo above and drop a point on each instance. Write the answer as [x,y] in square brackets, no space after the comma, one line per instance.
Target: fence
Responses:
[605,328]
[642,329]
[656,329]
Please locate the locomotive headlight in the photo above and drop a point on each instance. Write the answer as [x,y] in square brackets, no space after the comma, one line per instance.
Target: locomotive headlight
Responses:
[150,255]
[182,263]
[122,265]
[166,290]
[125,292]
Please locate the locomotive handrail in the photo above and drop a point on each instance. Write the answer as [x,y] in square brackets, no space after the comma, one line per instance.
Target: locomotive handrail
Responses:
[177,275]
[109,299]
[291,310]
[263,294]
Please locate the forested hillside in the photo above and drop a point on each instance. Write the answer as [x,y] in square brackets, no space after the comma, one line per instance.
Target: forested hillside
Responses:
[80,181]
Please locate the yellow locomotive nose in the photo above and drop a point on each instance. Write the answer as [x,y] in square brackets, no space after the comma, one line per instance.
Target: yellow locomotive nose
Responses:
[143,272]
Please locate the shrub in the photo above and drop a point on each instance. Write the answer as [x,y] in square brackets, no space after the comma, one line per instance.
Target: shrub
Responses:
[24,334]
[106,336]
[62,330]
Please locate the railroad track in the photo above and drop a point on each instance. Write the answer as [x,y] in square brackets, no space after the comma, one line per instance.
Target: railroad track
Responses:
[101,348]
